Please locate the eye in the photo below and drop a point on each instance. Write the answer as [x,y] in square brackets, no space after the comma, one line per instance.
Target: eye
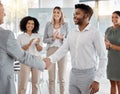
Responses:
[58,12]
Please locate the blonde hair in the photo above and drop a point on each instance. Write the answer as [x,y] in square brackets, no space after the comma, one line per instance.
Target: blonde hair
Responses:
[61,21]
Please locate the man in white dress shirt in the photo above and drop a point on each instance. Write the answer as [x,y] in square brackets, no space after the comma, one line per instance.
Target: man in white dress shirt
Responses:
[84,43]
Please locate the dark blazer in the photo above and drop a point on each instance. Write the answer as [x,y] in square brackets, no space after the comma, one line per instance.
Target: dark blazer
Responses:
[10,51]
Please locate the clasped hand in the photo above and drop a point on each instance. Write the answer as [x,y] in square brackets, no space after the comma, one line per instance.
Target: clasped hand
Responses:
[47,62]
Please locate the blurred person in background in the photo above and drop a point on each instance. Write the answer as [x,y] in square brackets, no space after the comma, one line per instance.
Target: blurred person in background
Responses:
[29,41]
[112,41]
[55,33]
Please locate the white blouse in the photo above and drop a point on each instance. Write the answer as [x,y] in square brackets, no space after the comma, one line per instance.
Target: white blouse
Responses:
[24,39]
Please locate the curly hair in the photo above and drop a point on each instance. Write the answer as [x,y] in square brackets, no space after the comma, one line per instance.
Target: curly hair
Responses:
[24,21]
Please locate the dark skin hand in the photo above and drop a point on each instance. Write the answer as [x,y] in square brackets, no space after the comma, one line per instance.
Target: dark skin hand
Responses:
[25,47]
[39,48]
[94,87]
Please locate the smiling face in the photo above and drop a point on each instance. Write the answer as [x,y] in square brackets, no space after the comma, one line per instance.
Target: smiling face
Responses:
[30,25]
[79,16]
[2,14]
[115,19]
[56,14]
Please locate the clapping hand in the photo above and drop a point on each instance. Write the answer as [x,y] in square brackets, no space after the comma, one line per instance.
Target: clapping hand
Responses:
[55,34]
[107,43]
[60,36]
[37,40]
[48,62]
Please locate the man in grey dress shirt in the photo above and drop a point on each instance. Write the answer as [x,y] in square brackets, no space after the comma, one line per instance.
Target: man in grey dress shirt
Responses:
[10,51]
[84,43]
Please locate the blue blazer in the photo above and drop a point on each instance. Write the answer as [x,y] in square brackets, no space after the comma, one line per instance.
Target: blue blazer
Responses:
[10,51]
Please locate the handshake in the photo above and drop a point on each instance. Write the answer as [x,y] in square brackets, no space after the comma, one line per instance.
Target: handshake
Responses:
[47,62]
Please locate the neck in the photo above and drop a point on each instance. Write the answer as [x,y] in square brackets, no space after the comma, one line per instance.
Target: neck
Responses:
[56,22]
[116,26]
[29,32]
[82,26]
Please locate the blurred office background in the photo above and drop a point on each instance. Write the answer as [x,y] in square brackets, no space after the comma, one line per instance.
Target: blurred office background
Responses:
[17,9]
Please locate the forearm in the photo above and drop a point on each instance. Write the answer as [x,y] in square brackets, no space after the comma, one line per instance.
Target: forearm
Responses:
[114,47]
[61,52]
[48,40]
[26,47]
[38,47]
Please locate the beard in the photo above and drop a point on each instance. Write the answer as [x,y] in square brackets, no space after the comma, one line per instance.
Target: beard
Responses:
[79,21]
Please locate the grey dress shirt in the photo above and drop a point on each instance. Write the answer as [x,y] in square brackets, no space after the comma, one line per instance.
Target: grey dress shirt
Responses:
[10,51]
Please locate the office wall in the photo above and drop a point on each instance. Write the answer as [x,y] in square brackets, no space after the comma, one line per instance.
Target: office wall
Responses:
[44,15]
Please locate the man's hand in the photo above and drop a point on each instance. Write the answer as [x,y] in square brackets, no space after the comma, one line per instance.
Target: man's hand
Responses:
[48,62]
[94,87]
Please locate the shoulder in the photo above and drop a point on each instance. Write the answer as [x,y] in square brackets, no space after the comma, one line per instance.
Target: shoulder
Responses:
[108,29]
[5,32]
[48,23]
[5,35]
[21,35]
[94,32]
[73,31]
[36,34]
[65,24]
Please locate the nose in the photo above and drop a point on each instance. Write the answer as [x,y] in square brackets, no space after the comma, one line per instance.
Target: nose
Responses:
[74,16]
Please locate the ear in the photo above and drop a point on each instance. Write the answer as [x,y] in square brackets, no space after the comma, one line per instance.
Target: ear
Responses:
[86,15]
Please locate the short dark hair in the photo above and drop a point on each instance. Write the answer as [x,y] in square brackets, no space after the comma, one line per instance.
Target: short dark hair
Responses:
[87,9]
[24,21]
[117,12]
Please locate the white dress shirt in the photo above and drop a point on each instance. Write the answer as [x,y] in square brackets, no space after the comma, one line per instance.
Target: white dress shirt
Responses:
[84,47]
[25,38]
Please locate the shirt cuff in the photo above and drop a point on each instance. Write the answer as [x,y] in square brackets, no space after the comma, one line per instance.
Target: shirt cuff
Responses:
[97,79]
[51,59]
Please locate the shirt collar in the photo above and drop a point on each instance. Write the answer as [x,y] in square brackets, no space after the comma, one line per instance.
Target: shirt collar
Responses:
[85,29]
[27,34]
